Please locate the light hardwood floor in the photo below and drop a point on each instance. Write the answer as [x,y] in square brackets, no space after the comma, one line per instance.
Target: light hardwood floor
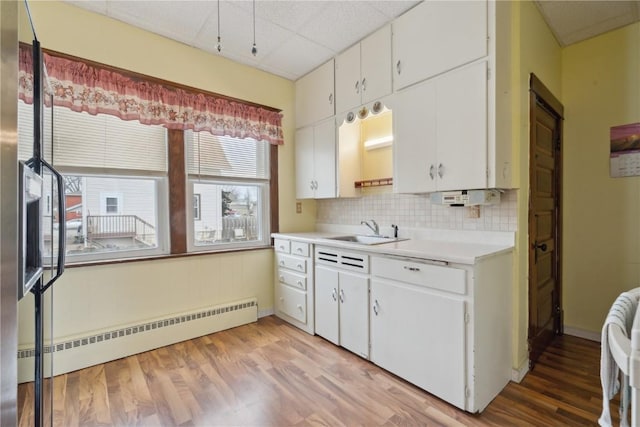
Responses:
[271,374]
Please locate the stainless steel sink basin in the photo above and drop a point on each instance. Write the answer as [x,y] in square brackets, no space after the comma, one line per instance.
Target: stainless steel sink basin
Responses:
[366,240]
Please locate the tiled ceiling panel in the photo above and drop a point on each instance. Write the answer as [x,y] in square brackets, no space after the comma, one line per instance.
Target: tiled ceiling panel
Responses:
[574,21]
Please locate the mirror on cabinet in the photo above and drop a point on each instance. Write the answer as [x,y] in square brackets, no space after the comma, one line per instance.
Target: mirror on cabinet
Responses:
[365,152]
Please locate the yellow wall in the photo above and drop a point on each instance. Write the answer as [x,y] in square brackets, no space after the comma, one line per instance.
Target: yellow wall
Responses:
[142,290]
[535,50]
[601,88]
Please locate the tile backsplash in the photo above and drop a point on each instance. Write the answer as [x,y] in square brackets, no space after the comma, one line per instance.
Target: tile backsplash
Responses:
[417,211]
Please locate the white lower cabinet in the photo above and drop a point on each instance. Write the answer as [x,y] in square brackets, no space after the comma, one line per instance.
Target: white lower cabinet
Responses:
[444,328]
[342,301]
[419,336]
[294,283]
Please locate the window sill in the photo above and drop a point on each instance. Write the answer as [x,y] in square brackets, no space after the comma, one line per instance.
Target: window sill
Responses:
[164,257]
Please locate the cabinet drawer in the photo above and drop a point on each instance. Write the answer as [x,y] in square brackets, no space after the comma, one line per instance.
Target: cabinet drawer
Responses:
[300,248]
[281,245]
[292,263]
[431,276]
[292,302]
[292,279]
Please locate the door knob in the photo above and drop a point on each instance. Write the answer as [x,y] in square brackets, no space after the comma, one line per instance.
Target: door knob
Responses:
[542,247]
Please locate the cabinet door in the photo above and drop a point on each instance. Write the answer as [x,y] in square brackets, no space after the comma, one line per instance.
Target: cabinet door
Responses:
[314,95]
[348,85]
[414,146]
[354,313]
[437,36]
[461,123]
[304,163]
[375,65]
[326,282]
[420,336]
[325,159]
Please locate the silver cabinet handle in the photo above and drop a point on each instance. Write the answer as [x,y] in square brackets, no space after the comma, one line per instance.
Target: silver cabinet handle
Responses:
[282,278]
[398,67]
[364,84]
[358,86]
[333,294]
[376,307]
[299,250]
[440,170]
[330,99]
[342,295]
[299,266]
[311,185]
[282,263]
[281,247]
[406,267]
[299,307]
[432,169]
[299,282]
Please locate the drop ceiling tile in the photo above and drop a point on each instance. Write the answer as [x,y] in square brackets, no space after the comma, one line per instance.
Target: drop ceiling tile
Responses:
[393,9]
[291,15]
[342,24]
[298,55]
[176,20]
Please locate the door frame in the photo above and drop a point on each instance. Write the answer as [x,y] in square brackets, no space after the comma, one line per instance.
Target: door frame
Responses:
[539,94]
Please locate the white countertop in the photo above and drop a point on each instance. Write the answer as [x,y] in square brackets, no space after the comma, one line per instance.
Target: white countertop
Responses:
[454,251]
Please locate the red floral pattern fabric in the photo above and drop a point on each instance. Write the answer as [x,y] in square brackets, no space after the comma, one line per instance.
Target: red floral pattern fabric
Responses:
[85,87]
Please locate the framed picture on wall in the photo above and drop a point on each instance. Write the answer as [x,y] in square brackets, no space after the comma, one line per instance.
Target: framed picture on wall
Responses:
[624,158]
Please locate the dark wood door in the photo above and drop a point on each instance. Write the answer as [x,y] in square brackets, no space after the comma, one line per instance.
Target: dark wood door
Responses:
[545,308]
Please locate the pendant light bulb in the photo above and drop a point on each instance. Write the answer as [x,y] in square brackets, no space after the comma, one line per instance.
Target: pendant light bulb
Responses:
[219,45]
[254,50]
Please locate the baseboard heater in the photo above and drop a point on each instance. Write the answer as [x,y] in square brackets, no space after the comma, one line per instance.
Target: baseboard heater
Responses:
[78,352]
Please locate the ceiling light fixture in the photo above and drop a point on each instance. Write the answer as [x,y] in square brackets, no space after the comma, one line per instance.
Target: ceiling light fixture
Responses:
[376,143]
[254,49]
[219,45]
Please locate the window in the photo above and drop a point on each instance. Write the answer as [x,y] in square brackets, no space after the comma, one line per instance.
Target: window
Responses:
[115,184]
[231,179]
[110,203]
[196,207]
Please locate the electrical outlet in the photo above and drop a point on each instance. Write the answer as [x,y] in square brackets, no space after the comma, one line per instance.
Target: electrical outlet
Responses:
[298,207]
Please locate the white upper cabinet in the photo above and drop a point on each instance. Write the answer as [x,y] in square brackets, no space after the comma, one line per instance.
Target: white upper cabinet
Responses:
[315,98]
[363,72]
[316,161]
[440,130]
[437,36]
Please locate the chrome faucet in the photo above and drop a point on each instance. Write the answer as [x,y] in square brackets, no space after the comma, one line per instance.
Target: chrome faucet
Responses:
[373,226]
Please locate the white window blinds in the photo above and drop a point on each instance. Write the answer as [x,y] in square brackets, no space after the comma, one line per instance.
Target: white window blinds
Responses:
[223,156]
[101,141]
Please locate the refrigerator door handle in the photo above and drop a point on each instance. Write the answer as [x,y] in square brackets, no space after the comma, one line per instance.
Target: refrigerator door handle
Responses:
[62,225]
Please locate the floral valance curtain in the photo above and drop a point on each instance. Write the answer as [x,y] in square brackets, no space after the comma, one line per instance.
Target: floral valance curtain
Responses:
[83,86]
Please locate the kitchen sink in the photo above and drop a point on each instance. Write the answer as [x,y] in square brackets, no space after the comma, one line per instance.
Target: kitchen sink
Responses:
[366,240]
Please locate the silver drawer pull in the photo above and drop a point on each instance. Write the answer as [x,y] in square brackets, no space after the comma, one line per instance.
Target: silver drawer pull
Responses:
[299,266]
[299,250]
[282,278]
[406,267]
[299,282]
[281,248]
[342,295]
[376,308]
[282,263]
[299,307]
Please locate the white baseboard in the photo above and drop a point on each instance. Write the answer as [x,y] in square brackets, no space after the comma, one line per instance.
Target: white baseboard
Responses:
[582,333]
[518,374]
[78,352]
[266,312]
